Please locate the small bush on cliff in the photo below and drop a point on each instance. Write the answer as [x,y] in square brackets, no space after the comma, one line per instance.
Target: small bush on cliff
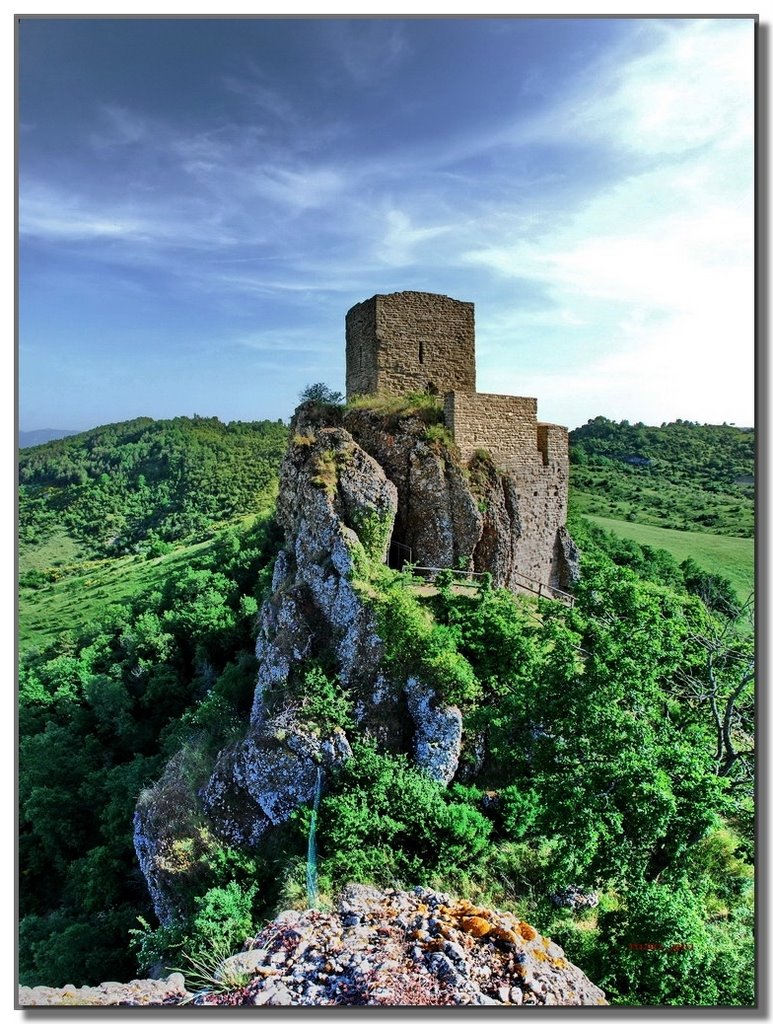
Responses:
[373,529]
[323,702]
[440,438]
[416,645]
[222,920]
[321,394]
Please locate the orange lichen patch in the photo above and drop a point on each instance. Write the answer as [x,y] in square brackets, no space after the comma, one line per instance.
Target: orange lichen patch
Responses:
[540,954]
[559,962]
[468,909]
[434,945]
[504,935]
[527,932]
[475,925]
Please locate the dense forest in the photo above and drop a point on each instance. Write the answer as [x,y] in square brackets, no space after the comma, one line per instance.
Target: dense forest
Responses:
[681,475]
[619,742]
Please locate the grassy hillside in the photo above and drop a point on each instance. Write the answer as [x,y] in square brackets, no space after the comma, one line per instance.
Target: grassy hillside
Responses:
[126,487]
[139,653]
[83,592]
[731,557]
[681,475]
[106,515]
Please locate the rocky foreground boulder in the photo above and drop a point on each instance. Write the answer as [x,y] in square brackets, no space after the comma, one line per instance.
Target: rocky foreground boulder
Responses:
[378,948]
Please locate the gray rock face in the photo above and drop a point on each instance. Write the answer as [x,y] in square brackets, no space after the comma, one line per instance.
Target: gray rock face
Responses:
[349,483]
[438,737]
[377,948]
[568,559]
[575,898]
[142,992]
[497,550]
[437,514]
[263,779]
[162,818]
[334,501]
[451,515]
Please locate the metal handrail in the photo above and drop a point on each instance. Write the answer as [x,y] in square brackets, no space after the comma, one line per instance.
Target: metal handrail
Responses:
[540,589]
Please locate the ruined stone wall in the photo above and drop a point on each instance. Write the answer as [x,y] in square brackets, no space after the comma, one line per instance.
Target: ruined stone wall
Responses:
[410,341]
[505,425]
[416,341]
[553,442]
[535,456]
[542,503]
[361,349]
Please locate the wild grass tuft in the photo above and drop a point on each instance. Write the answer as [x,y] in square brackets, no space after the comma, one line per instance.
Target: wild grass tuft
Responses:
[426,407]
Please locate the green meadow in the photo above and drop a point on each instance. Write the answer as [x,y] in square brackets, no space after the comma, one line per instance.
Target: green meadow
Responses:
[87,591]
[732,557]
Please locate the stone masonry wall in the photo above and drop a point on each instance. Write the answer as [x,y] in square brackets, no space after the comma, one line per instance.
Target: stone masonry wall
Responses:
[361,349]
[553,442]
[535,455]
[410,341]
[505,425]
[542,502]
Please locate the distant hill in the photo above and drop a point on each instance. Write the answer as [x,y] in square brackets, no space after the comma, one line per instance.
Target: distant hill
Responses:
[682,475]
[146,481]
[29,438]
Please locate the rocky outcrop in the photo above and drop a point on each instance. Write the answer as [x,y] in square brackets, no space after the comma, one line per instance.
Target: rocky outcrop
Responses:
[169,991]
[456,514]
[335,504]
[350,484]
[437,514]
[417,948]
[567,558]
[438,737]
[164,839]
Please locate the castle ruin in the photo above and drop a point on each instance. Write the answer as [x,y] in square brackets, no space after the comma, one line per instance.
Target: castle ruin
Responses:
[419,341]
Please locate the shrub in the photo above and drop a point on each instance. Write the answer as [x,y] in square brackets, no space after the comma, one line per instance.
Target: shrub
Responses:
[658,949]
[439,437]
[324,702]
[384,821]
[321,394]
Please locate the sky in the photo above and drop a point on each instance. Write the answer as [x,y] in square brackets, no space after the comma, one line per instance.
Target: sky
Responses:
[202,200]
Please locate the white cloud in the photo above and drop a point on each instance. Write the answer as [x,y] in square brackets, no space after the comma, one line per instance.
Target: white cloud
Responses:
[401,238]
[368,50]
[663,261]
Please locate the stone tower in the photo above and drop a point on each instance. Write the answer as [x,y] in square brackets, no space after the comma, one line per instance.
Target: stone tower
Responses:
[410,341]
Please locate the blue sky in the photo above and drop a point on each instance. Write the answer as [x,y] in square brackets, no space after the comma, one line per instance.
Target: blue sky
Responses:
[201,201]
